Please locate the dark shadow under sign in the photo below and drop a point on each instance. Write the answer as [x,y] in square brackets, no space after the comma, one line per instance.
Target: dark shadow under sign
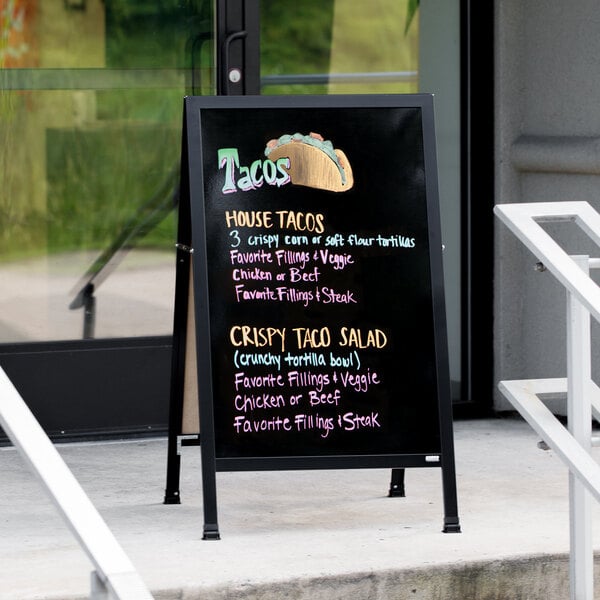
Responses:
[317,303]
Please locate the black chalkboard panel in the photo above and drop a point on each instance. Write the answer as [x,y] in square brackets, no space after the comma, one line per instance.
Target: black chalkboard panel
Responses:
[318,285]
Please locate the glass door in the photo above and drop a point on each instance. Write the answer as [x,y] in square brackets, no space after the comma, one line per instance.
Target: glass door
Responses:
[90,138]
[381,47]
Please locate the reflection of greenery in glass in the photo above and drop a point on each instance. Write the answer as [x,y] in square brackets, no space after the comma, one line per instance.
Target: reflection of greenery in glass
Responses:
[142,34]
[340,37]
[110,178]
[295,37]
[411,10]
[99,180]
[80,166]
[76,166]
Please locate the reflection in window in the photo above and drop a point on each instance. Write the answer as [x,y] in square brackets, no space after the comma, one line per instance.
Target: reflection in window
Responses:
[339,47]
[90,135]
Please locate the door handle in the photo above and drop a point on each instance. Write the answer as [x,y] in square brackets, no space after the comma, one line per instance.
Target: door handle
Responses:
[230,75]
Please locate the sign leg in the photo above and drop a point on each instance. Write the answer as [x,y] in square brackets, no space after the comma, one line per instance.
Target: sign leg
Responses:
[173,471]
[209,496]
[397,484]
[451,521]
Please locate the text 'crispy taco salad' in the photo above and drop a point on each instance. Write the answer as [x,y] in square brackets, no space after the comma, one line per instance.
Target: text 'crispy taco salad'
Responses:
[313,161]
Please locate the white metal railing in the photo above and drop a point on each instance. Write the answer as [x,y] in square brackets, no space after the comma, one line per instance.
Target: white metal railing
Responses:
[114,575]
[583,395]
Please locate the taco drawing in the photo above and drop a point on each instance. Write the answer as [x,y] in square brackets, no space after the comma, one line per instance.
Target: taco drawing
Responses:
[314,162]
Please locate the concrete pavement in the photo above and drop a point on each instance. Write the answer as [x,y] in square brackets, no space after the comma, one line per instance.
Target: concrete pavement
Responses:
[307,534]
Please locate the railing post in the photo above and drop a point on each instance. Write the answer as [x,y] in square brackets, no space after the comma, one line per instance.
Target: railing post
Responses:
[114,573]
[579,414]
[98,591]
[583,300]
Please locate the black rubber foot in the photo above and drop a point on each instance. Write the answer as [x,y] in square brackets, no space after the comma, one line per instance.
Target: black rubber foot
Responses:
[452,527]
[211,532]
[172,498]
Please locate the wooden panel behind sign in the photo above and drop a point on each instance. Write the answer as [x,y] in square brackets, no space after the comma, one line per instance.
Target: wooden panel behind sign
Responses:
[190,420]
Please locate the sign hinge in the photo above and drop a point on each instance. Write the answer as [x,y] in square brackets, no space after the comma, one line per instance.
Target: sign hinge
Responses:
[184,248]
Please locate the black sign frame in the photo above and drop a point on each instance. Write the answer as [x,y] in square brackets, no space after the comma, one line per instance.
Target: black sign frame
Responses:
[197,276]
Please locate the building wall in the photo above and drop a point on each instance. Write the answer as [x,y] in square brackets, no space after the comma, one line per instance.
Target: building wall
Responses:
[547,149]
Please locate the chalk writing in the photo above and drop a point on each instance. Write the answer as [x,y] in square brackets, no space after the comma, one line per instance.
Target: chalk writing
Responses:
[286,219]
[298,378]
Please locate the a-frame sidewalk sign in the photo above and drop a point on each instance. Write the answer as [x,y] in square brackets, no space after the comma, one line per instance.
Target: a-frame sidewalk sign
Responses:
[310,325]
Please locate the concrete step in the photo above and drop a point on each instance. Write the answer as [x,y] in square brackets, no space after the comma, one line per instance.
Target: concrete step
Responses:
[305,534]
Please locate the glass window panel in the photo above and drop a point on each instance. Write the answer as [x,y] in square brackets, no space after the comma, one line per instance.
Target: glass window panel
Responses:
[338,46]
[90,138]
[381,46]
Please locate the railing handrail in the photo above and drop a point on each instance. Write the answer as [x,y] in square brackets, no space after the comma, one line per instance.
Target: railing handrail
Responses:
[583,302]
[113,570]
[524,395]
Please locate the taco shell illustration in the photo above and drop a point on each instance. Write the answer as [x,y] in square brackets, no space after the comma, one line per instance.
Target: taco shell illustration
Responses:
[314,162]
